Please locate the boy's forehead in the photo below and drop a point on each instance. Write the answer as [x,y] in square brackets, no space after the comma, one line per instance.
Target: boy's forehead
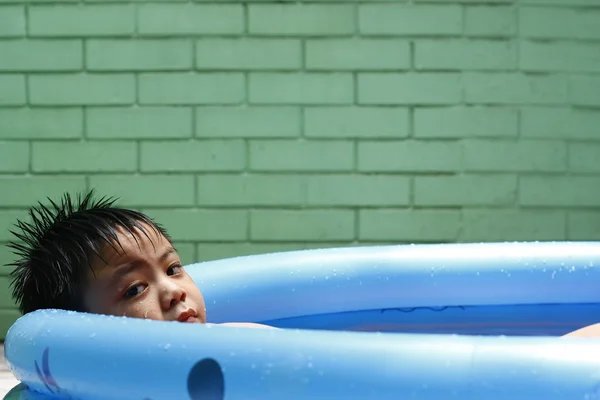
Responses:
[134,242]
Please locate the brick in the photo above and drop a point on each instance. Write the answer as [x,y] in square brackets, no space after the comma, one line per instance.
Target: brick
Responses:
[357,190]
[147,190]
[12,90]
[84,156]
[559,191]
[409,225]
[38,1]
[41,123]
[560,123]
[301,88]
[219,251]
[464,122]
[185,88]
[357,54]
[138,55]
[41,55]
[6,255]
[294,225]
[14,157]
[570,3]
[584,90]
[513,225]
[205,155]
[424,88]
[407,19]
[250,190]
[82,89]
[206,225]
[465,55]
[509,88]
[300,19]
[139,122]
[12,21]
[290,155]
[186,252]
[25,191]
[583,157]
[490,21]
[248,122]
[554,57]
[522,155]
[340,122]
[465,190]
[583,225]
[493,2]
[7,319]
[6,300]
[80,20]
[442,156]
[8,219]
[539,22]
[248,54]
[188,19]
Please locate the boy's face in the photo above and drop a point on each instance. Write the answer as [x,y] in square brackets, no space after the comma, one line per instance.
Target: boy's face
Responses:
[145,279]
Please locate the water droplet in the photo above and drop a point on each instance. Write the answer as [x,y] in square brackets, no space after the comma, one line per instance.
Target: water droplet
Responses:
[93,335]
[167,346]
[309,365]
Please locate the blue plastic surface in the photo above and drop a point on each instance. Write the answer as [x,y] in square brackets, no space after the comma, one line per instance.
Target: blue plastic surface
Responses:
[473,289]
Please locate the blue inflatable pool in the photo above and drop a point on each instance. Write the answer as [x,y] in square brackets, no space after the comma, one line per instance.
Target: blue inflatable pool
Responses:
[464,321]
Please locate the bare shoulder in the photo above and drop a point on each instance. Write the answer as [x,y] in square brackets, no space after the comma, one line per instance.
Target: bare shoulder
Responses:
[591,331]
[247,325]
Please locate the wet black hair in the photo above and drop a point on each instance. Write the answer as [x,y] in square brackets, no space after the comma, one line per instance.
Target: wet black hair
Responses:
[57,246]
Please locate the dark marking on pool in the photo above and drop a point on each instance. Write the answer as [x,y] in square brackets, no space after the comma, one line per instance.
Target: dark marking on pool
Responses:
[206,381]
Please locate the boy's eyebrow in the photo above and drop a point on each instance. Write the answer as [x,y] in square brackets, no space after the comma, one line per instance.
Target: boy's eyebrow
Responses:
[126,269]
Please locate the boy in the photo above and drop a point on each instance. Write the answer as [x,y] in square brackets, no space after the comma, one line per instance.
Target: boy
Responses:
[90,256]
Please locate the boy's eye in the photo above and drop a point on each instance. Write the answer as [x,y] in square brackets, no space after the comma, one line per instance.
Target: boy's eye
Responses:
[134,290]
[174,269]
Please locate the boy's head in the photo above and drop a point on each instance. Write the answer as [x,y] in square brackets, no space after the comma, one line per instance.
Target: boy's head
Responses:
[93,257]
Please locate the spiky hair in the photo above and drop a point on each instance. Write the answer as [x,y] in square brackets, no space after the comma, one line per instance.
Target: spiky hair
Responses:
[57,245]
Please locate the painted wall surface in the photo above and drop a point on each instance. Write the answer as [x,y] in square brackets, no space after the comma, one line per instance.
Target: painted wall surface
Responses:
[258,126]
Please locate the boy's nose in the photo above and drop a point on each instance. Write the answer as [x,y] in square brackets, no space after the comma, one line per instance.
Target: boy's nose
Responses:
[172,295]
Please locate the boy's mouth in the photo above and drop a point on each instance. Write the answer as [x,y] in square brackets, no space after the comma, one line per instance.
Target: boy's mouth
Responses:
[188,316]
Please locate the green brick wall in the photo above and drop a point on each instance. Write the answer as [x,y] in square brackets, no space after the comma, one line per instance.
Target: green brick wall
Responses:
[256,126]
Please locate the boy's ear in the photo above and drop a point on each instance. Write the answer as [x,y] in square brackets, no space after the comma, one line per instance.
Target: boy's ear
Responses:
[206,381]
